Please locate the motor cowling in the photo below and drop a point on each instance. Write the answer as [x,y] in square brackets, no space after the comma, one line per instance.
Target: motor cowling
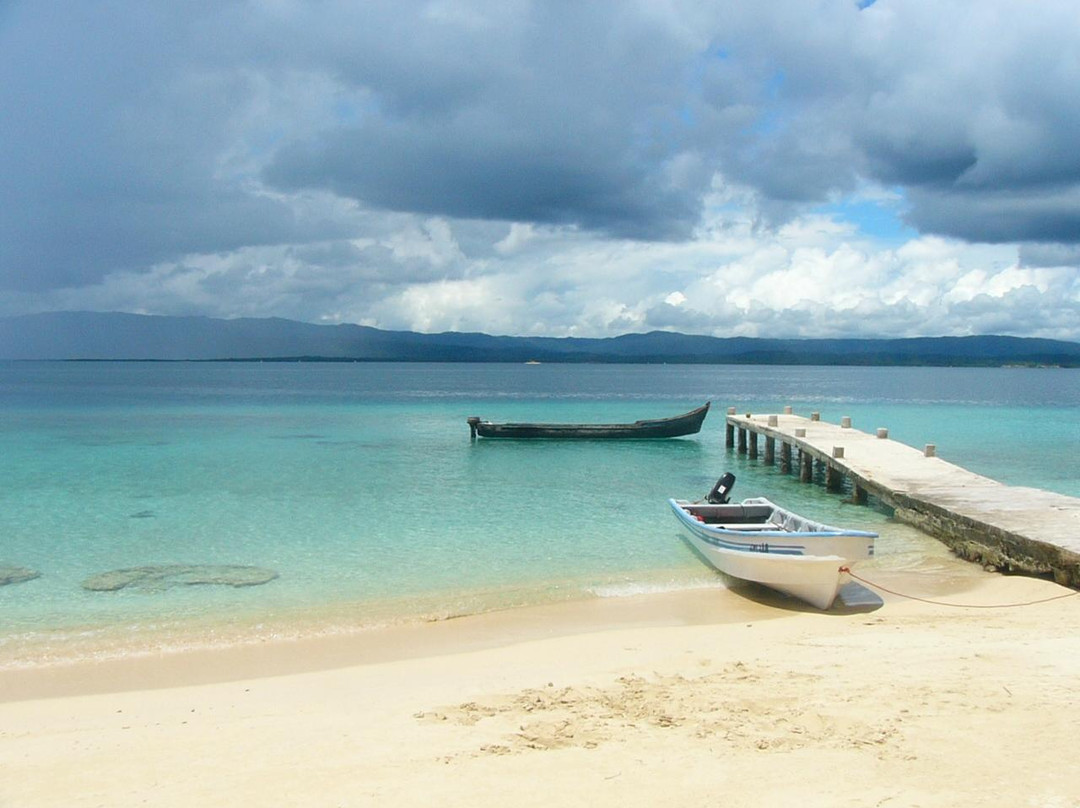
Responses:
[720,491]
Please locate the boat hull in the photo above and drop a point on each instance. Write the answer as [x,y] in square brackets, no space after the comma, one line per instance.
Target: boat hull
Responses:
[674,427]
[810,565]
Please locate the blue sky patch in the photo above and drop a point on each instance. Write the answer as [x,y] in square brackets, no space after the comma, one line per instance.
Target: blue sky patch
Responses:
[877,218]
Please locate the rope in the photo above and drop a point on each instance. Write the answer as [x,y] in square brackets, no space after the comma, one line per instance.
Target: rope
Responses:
[957,605]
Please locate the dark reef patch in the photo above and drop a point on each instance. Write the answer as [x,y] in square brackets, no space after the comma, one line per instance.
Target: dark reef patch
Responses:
[159,577]
[17,575]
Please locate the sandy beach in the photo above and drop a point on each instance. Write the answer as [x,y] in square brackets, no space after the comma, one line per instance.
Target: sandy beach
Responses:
[695,698]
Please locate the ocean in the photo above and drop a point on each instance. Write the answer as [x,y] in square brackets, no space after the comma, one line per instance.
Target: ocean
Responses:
[358,487]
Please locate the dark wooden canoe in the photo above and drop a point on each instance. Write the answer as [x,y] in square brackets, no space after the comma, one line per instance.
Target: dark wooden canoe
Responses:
[687,424]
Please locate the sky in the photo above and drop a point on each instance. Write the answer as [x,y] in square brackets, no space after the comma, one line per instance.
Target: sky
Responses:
[791,168]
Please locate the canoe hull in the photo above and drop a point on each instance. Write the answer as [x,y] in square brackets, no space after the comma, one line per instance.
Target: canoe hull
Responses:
[809,565]
[674,427]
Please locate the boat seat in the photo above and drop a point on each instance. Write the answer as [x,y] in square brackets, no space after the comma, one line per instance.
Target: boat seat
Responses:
[731,511]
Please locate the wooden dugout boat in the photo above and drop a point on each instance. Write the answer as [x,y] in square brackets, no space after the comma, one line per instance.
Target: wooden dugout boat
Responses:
[686,424]
[756,540]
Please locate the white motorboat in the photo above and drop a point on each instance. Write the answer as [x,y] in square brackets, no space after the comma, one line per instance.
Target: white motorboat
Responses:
[757,540]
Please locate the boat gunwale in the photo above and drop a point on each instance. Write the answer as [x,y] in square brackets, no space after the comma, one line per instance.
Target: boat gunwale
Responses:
[829,531]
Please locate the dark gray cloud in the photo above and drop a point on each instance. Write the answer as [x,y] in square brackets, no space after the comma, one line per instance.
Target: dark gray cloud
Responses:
[484,174]
[552,113]
[117,129]
[1050,255]
[1014,214]
[66,242]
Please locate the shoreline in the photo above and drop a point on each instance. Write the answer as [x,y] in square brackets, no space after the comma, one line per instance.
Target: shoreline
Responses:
[197,653]
[156,632]
[639,701]
[243,655]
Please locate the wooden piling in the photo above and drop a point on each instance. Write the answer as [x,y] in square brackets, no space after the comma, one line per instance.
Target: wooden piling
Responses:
[834,478]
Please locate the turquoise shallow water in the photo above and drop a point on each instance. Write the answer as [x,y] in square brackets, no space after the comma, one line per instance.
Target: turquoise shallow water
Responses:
[359,485]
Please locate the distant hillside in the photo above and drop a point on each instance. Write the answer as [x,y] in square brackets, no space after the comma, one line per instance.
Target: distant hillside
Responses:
[111,336]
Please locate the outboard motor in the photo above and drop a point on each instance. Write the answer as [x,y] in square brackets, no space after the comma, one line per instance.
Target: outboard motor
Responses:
[720,491]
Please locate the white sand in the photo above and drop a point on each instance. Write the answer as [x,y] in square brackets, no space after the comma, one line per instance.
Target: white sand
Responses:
[697,699]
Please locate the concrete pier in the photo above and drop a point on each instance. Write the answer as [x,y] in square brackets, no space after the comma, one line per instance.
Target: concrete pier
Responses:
[1008,527]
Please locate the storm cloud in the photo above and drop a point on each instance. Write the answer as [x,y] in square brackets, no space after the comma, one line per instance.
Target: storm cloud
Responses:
[547,167]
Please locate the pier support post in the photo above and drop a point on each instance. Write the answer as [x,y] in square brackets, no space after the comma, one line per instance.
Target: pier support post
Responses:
[859,495]
[770,451]
[731,436]
[806,467]
[785,457]
[753,445]
[834,479]
[742,441]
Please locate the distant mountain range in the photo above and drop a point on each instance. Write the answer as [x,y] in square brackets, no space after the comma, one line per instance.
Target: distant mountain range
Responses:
[114,336]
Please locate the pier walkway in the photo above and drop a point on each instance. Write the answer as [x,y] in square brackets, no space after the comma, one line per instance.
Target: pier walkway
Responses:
[1009,527]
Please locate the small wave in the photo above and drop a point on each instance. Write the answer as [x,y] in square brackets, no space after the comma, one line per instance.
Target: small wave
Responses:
[630,589]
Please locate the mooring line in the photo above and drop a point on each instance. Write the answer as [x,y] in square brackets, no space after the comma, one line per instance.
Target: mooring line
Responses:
[957,605]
